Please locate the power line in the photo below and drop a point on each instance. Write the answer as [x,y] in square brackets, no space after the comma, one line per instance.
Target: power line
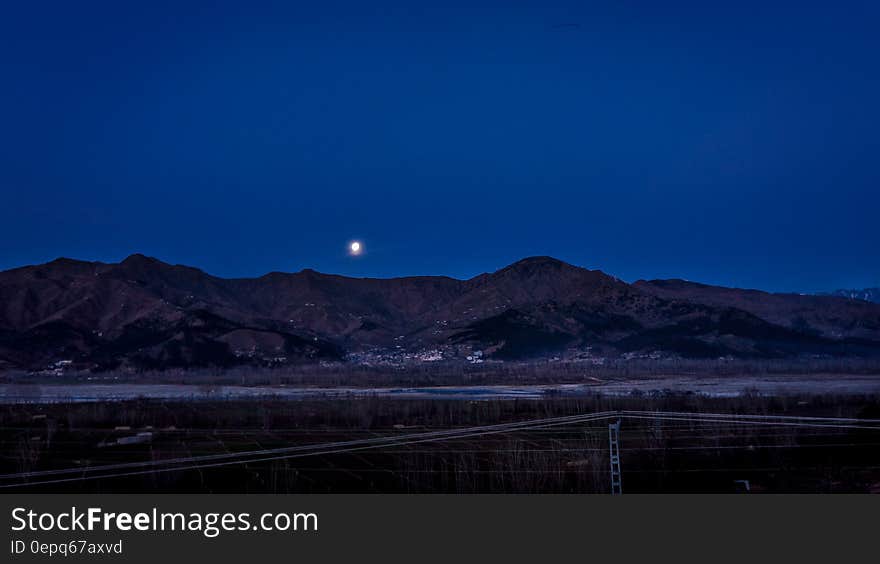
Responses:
[263,455]
[265,459]
[292,452]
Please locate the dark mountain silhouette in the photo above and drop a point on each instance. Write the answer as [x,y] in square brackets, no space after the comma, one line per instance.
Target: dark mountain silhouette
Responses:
[144,313]
[866,294]
[826,316]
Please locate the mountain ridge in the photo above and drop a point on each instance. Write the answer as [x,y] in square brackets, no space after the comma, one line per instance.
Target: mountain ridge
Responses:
[865,294]
[145,313]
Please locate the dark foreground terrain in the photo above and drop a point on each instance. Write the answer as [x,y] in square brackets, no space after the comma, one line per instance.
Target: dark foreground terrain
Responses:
[444,446]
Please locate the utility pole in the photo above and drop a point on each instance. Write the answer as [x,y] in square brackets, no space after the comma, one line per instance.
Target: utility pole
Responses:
[614,449]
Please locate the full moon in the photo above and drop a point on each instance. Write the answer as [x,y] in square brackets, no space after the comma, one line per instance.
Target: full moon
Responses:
[355,248]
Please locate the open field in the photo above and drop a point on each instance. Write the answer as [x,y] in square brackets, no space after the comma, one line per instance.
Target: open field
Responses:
[60,392]
[669,443]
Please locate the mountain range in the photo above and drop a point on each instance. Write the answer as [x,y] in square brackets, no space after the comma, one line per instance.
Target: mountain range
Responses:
[865,294]
[143,313]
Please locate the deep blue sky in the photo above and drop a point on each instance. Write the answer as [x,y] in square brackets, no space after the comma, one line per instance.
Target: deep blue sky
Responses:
[727,142]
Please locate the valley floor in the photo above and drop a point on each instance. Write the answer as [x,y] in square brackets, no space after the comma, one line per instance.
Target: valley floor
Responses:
[709,386]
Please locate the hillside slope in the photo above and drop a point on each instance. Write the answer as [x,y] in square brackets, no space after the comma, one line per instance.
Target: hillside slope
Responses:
[144,313]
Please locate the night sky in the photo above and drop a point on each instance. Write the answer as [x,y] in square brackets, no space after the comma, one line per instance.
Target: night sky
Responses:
[734,144]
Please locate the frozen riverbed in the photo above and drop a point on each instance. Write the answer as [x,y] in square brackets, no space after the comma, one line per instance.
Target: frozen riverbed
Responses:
[708,386]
